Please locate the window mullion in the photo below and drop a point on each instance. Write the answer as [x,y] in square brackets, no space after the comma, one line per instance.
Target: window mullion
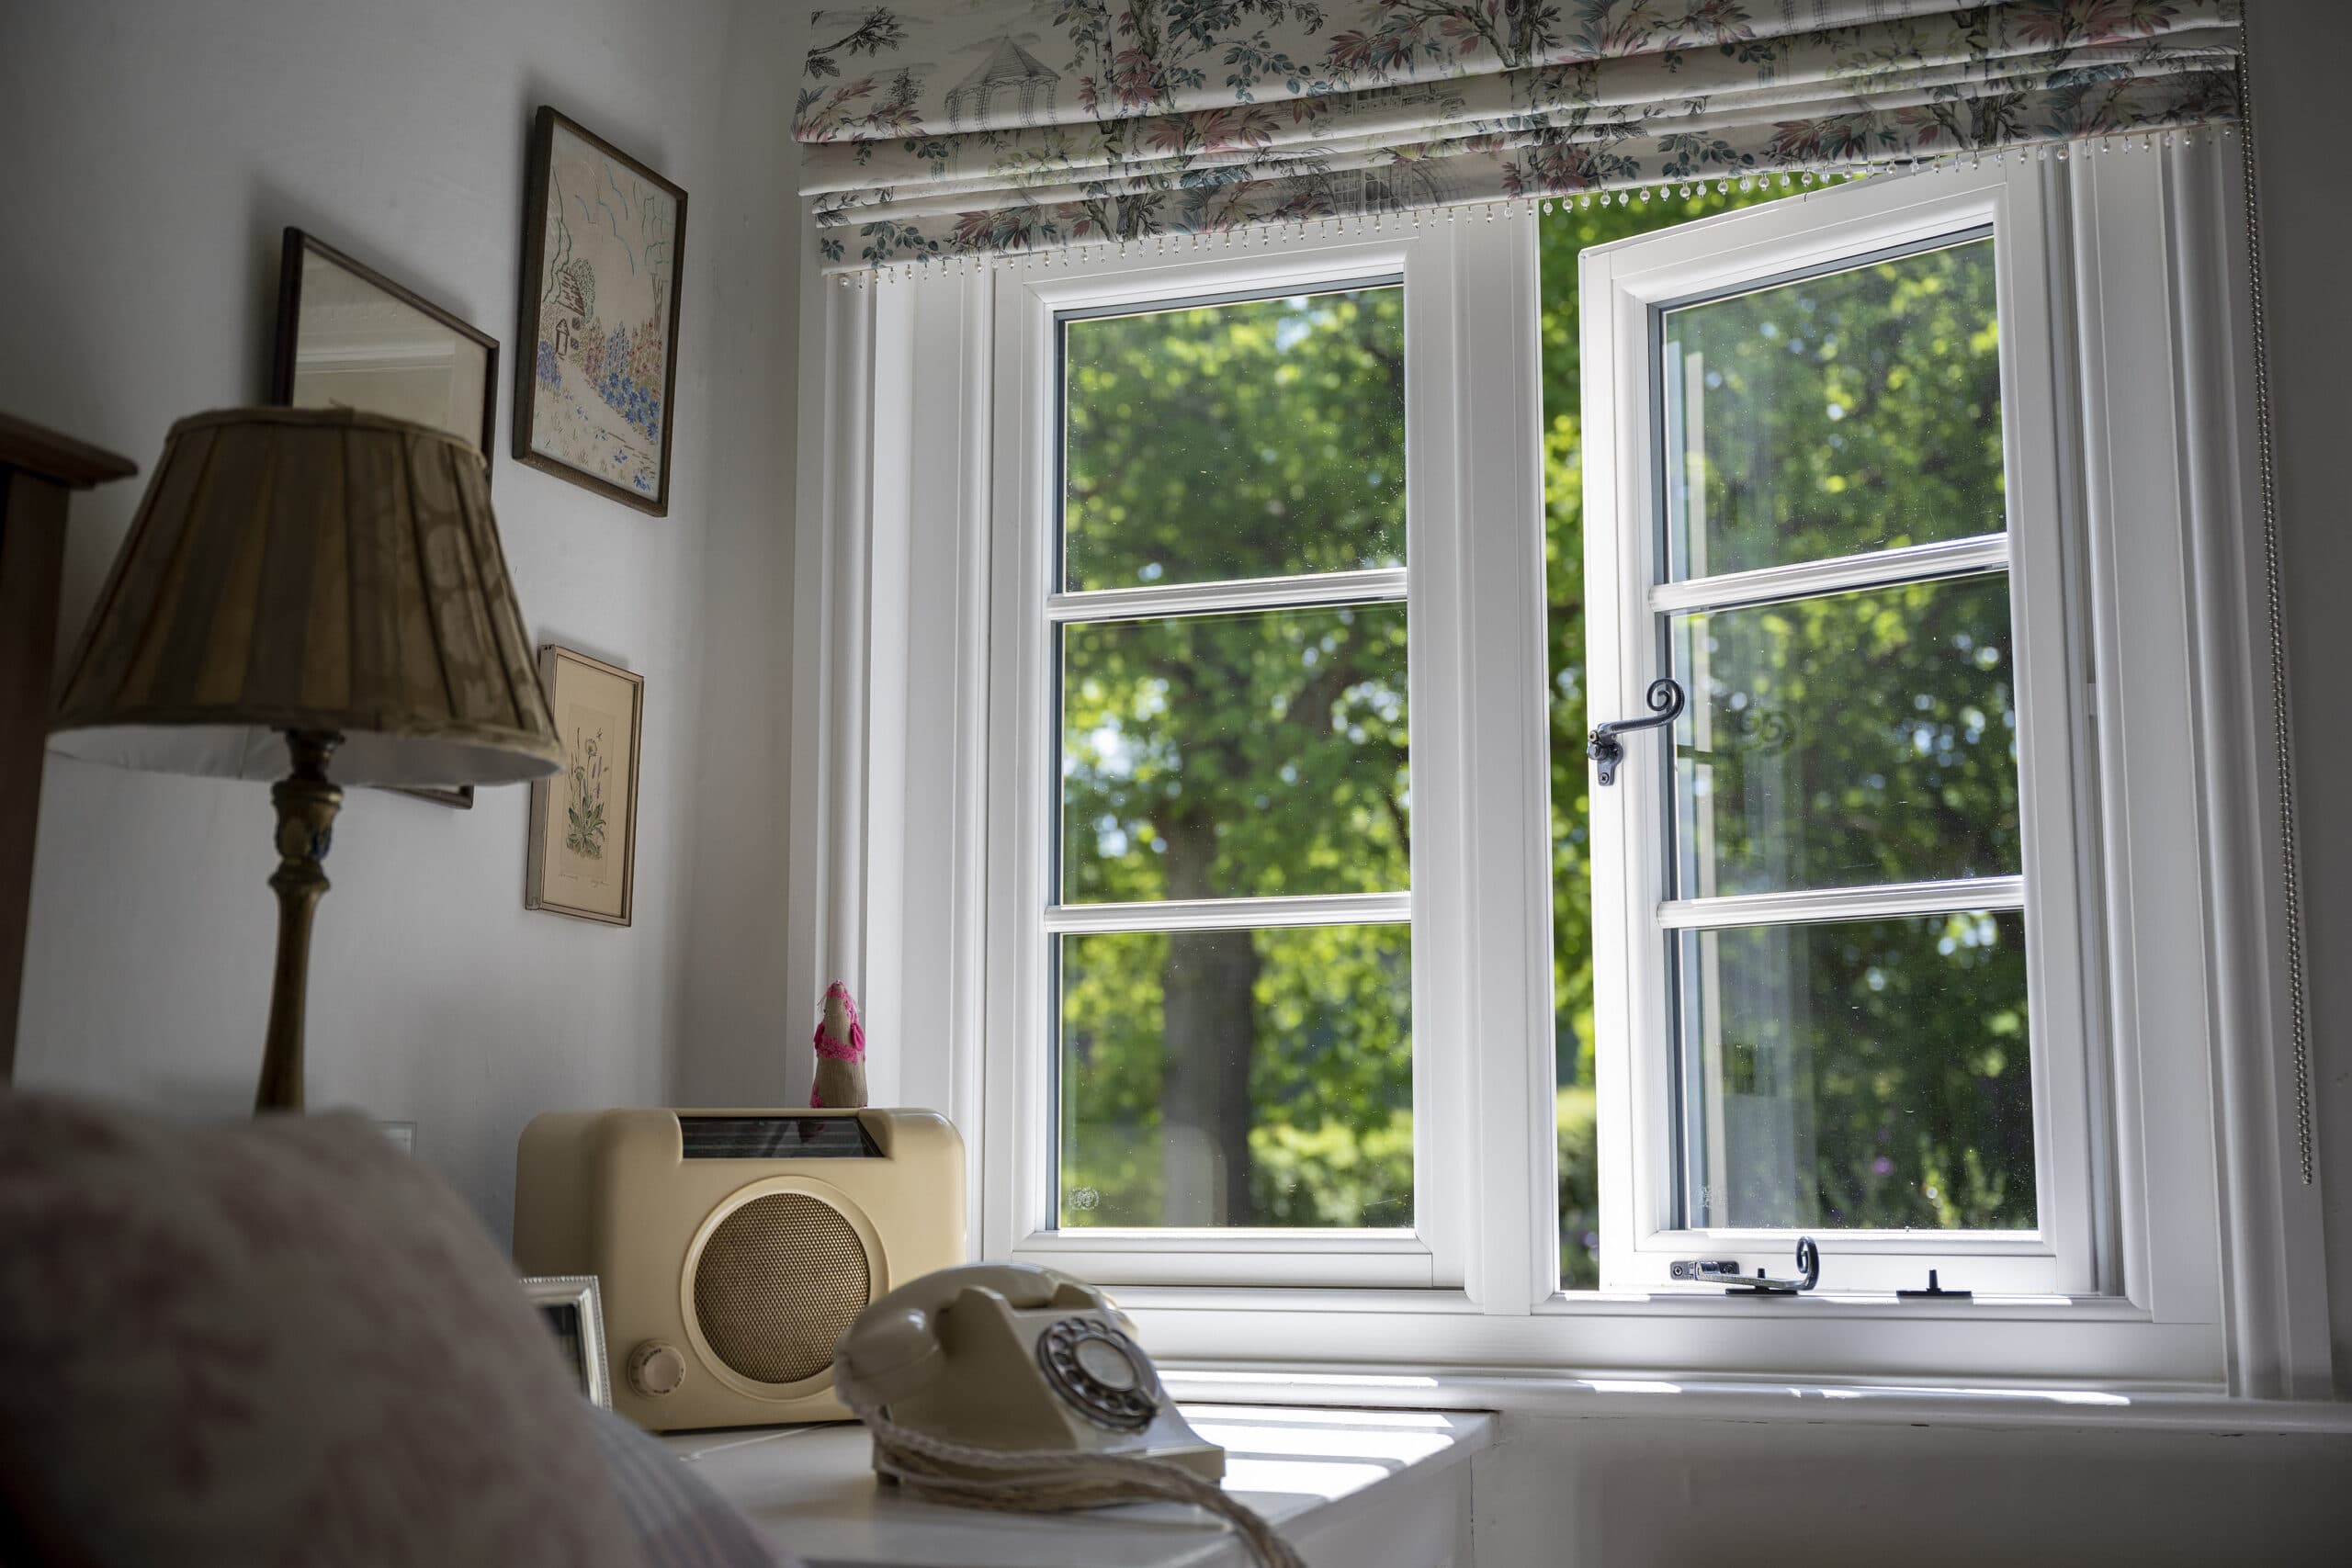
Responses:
[1489,619]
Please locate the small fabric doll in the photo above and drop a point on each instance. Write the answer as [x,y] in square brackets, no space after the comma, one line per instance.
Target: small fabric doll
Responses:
[841,1054]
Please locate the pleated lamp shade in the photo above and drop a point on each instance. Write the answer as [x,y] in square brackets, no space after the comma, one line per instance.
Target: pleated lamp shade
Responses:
[311,569]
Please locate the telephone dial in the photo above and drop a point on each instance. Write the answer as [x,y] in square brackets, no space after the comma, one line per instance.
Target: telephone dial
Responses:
[1008,1358]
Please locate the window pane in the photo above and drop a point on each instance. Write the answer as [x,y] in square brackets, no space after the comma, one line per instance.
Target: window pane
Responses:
[1847,739]
[1221,756]
[1237,1078]
[1563,236]
[1834,415]
[1231,441]
[1864,1075]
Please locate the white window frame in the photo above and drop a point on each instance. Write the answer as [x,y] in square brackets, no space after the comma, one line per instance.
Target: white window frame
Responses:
[1019,1174]
[2206,1245]
[1624,288]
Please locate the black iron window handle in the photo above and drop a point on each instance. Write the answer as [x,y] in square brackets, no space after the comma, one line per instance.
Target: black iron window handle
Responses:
[1665,701]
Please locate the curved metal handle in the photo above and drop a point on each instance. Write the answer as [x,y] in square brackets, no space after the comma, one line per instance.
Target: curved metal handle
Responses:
[1666,700]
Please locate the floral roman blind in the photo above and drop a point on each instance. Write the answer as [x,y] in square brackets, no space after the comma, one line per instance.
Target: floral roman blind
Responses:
[942,127]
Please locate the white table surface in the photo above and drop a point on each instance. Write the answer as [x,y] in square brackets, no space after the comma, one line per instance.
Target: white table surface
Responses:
[1327,1478]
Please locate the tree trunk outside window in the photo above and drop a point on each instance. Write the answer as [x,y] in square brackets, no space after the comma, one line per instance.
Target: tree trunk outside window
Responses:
[1210,984]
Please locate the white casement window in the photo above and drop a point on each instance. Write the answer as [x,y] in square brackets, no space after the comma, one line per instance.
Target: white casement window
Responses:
[1839,950]
[1184,739]
[1226,493]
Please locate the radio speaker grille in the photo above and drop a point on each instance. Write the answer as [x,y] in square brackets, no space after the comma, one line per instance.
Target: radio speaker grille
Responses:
[777,1282]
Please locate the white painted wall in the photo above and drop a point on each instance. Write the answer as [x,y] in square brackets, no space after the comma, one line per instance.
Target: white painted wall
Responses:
[1628,1491]
[2302,63]
[158,148]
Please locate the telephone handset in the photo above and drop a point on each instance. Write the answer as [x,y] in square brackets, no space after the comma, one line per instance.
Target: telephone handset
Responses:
[1011,1386]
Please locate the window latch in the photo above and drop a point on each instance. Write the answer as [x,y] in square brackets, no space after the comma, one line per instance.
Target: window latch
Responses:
[1808,1269]
[1666,700]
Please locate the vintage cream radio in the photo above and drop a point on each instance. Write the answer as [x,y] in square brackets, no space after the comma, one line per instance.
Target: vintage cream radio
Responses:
[733,1247]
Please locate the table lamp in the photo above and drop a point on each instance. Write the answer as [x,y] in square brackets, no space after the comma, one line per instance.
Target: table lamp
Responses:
[315,596]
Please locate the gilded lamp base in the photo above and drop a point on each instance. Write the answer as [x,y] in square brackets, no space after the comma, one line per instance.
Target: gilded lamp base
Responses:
[307,805]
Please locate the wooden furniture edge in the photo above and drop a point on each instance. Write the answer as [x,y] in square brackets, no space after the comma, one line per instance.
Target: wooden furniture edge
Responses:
[33,449]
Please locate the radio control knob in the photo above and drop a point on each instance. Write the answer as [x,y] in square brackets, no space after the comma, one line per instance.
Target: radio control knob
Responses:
[655,1368]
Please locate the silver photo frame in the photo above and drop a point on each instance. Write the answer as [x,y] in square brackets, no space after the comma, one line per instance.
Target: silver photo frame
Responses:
[574,1310]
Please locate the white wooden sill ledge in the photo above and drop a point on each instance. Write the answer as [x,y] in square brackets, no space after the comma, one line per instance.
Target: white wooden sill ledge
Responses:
[1506,1394]
[1358,1488]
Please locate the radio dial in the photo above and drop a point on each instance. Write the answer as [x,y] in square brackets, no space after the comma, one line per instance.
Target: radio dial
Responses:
[655,1368]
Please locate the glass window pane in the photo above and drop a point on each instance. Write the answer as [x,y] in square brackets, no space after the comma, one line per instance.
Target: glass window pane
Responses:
[1847,739]
[1863,1074]
[1237,1078]
[1562,237]
[1261,439]
[1833,415]
[1240,755]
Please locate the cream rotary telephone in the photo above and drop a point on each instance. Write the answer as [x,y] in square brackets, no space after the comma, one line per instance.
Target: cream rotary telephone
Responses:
[1003,1385]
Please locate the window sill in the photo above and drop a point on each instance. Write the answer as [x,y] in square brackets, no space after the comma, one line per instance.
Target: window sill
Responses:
[1711,1300]
[1529,1391]
[1843,1339]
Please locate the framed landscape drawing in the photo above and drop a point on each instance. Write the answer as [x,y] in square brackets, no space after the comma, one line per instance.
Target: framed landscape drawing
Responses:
[349,337]
[603,240]
[583,820]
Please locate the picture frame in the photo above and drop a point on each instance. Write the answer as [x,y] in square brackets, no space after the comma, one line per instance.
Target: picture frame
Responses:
[573,1307]
[583,820]
[350,337]
[597,377]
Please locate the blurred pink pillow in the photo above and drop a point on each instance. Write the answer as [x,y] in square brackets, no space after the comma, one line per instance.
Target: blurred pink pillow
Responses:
[272,1343]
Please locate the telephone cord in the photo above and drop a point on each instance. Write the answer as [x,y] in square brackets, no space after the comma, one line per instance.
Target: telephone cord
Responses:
[1051,1481]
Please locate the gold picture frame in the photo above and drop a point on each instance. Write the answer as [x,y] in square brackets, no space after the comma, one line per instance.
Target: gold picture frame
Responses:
[583,820]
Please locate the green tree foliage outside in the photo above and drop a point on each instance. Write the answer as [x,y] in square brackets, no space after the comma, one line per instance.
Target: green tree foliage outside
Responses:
[1237,1078]
[1264,1077]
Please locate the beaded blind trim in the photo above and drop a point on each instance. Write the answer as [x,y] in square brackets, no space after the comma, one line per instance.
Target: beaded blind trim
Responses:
[936,128]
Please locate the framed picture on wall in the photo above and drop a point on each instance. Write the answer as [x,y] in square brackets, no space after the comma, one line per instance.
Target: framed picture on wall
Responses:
[350,337]
[604,239]
[583,820]
[573,1307]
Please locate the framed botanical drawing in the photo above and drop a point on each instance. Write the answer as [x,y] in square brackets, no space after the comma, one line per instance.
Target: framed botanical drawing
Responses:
[583,820]
[350,337]
[604,237]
